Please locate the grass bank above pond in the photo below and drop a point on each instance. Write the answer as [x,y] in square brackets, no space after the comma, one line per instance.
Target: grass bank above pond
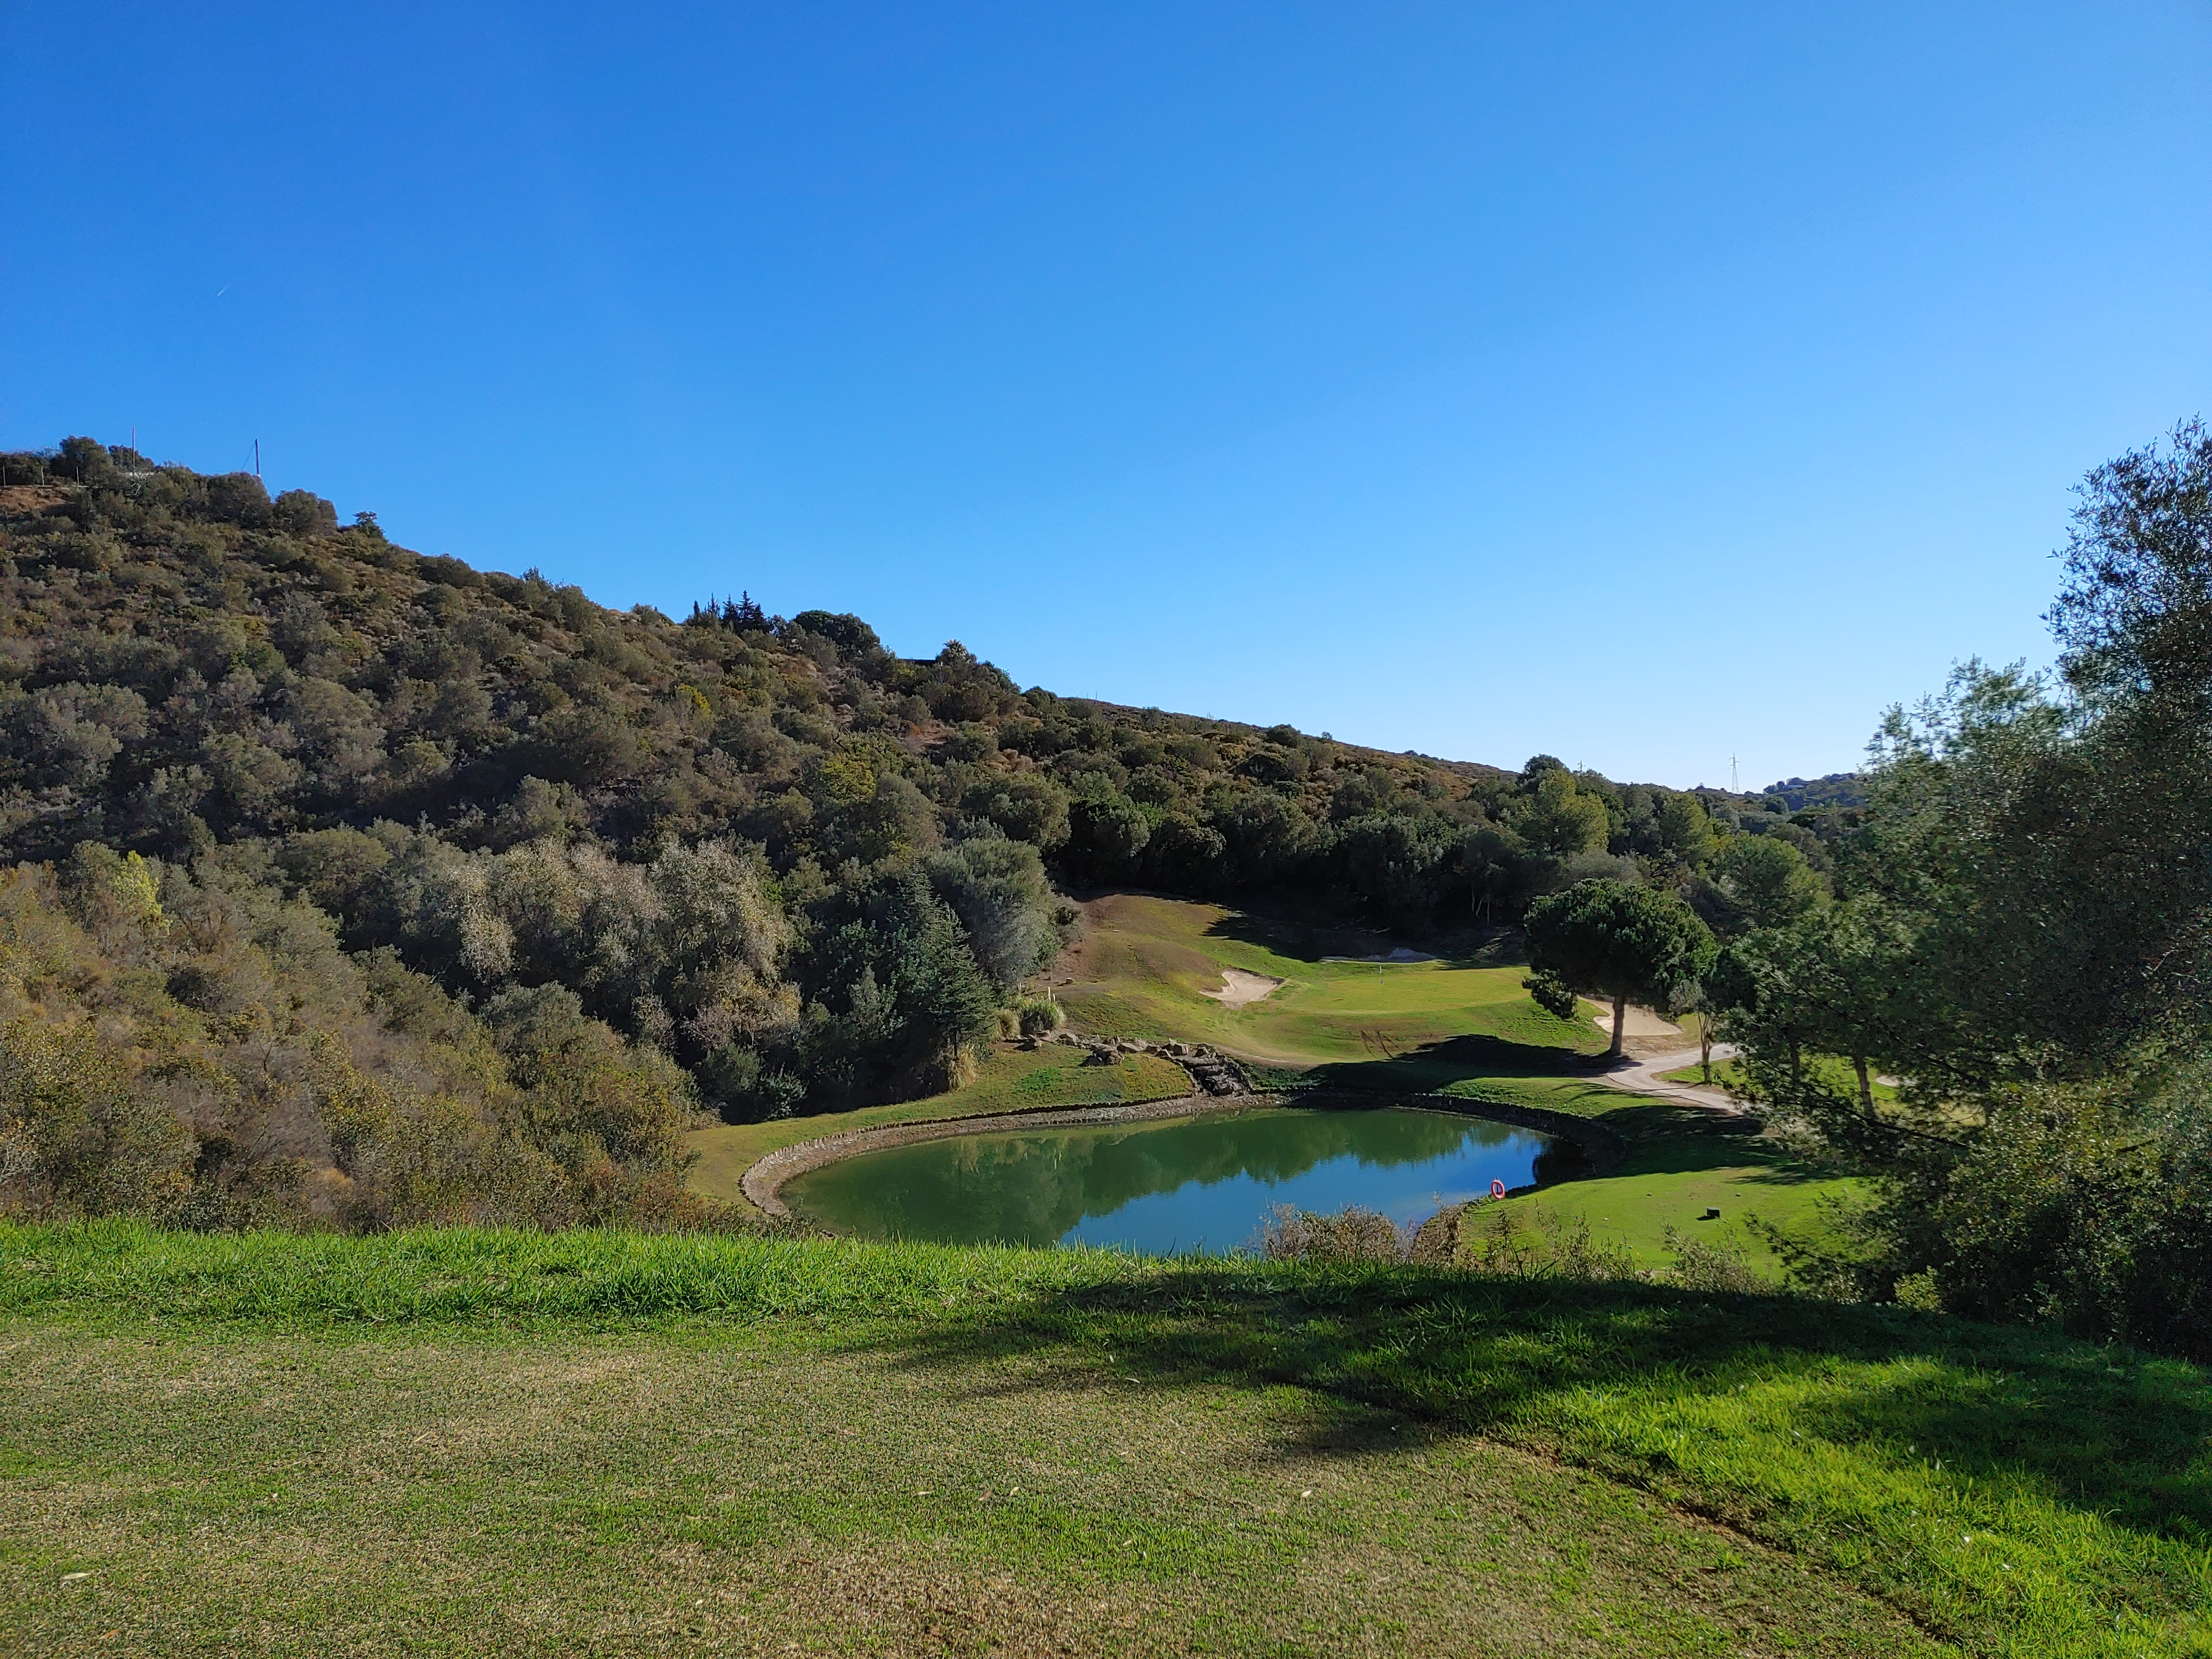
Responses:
[1680,1162]
[473,1441]
[1010,1079]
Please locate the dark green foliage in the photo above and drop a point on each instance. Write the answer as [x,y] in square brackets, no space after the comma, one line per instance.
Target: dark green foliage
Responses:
[1105,835]
[1553,994]
[2089,1207]
[1026,805]
[997,889]
[1615,943]
[845,631]
[905,1001]
[1761,881]
[1401,863]
[2024,942]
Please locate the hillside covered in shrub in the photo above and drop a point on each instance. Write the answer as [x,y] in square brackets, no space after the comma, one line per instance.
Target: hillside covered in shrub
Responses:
[279,787]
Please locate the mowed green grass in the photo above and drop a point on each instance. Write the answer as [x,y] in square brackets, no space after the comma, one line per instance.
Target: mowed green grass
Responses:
[1727,1074]
[472,1442]
[1680,1162]
[1011,1079]
[1145,963]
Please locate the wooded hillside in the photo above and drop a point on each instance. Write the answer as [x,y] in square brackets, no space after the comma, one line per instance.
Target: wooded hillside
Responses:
[750,864]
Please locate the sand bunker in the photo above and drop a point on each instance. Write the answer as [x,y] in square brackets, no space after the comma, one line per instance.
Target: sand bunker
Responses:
[1239,987]
[1640,1022]
[1400,955]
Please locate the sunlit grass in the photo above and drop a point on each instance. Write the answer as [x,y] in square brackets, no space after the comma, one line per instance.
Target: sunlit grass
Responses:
[1679,1163]
[1146,963]
[1729,1074]
[2017,1494]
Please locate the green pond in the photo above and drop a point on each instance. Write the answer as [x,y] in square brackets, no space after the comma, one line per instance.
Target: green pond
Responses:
[1177,1184]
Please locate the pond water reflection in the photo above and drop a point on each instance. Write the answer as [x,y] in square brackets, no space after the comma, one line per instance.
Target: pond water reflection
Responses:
[1198,1183]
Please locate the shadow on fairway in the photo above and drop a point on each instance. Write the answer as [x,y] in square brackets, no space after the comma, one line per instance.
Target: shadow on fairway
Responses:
[1453,1060]
[1412,1352]
[1681,1141]
[1313,942]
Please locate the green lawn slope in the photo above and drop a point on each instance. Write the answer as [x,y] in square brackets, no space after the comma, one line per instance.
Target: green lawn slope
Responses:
[1680,1162]
[1145,963]
[472,1442]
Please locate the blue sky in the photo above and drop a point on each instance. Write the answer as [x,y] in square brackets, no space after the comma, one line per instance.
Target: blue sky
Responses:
[1646,385]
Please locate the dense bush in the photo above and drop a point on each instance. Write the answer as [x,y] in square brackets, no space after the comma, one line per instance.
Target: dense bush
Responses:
[192,1046]
[2023,942]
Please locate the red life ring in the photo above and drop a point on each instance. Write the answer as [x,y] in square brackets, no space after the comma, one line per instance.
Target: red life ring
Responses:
[1497,1190]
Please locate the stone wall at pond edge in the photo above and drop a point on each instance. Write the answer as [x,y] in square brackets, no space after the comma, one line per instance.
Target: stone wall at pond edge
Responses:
[1213,1071]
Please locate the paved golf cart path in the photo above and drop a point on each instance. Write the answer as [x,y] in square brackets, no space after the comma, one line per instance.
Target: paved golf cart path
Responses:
[1640,1077]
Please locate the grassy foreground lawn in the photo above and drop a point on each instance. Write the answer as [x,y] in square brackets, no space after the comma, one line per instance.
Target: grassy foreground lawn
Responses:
[1010,1080]
[472,1441]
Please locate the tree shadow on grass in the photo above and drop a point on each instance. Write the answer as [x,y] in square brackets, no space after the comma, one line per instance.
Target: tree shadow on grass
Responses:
[1434,1065]
[1314,941]
[1682,1140]
[1613,1374]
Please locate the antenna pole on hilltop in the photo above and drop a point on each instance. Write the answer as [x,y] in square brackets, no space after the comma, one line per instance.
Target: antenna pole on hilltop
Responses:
[257,458]
[1733,789]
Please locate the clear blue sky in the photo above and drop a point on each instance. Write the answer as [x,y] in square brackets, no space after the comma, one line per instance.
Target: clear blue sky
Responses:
[1645,384]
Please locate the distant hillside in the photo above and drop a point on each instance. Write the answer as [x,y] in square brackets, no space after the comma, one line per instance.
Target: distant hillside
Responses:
[190,664]
[1846,790]
[203,664]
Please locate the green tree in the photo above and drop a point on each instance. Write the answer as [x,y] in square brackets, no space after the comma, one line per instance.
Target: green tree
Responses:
[1399,861]
[1105,835]
[1615,943]
[1558,820]
[1766,881]
[1684,830]
[997,887]
[1028,805]
[1841,980]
